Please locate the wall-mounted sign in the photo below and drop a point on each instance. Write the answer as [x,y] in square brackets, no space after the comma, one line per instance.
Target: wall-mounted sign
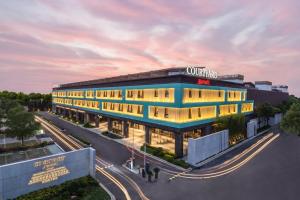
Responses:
[203,82]
[50,170]
[201,72]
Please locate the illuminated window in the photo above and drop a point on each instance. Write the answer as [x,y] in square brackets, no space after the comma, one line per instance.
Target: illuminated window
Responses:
[247,107]
[140,94]
[129,108]
[112,93]
[105,105]
[98,93]
[202,95]
[155,93]
[120,107]
[199,112]
[234,95]
[228,109]
[112,106]
[105,94]
[166,113]
[120,94]
[190,94]
[155,111]
[167,94]
[190,114]
[140,110]
[130,94]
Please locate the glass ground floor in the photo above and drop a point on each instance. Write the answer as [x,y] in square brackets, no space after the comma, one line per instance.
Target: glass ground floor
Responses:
[136,134]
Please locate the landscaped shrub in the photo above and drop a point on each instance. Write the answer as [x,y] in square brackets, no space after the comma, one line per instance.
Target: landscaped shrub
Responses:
[25,147]
[88,125]
[165,155]
[74,189]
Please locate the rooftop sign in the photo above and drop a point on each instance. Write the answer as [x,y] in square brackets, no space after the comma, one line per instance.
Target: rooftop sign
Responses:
[201,72]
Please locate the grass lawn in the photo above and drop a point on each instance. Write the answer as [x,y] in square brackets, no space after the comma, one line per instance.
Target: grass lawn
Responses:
[85,188]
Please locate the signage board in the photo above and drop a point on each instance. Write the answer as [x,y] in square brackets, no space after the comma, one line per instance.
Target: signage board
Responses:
[30,175]
[201,72]
[203,82]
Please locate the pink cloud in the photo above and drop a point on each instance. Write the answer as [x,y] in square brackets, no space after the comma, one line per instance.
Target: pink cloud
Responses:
[45,44]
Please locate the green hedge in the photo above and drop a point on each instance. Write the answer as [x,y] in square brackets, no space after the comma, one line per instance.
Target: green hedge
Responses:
[25,147]
[83,188]
[88,125]
[170,157]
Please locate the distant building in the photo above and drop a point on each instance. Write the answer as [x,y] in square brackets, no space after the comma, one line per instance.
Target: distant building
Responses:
[234,78]
[281,88]
[249,85]
[263,85]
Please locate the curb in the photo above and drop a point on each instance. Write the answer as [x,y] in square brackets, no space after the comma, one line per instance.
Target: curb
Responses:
[112,197]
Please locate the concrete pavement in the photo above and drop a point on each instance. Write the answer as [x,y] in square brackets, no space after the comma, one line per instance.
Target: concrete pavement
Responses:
[272,174]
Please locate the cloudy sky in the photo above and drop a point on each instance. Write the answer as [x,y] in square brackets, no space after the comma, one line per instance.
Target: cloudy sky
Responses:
[44,43]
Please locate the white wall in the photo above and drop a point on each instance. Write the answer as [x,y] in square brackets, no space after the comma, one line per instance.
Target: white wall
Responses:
[204,147]
[252,127]
[276,119]
[15,178]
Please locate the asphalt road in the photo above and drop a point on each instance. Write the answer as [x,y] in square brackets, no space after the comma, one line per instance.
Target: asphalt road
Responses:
[273,174]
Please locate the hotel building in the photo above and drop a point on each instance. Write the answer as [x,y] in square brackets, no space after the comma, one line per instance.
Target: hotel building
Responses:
[162,108]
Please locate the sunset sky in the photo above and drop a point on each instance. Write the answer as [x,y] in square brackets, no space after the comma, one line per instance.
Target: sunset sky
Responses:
[45,43]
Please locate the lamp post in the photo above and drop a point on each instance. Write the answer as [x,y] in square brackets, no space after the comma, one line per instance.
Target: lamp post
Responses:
[145,155]
[132,152]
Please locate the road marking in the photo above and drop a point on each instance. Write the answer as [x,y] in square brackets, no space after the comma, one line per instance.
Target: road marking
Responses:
[106,165]
[229,170]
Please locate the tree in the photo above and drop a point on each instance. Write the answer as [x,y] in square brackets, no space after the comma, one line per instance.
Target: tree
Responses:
[20,124]
[265,111]
[236,125]
[2,115]
[291,120]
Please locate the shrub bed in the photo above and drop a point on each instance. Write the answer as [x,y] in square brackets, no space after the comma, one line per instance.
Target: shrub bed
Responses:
[24,147]
[88,125]
[83,188]
[263,128]
[170,157]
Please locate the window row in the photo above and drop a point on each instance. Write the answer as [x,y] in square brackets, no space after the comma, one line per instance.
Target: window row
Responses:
[109,94]
[182,115]
[62,101]
[236,95]
[58,93]
[228,109]
[151,95]
[247,107]
[209,95]
[203,95]
[86,104]
[128,109]
[75,94]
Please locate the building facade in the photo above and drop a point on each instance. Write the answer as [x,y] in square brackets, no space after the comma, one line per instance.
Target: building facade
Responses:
[161,108]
